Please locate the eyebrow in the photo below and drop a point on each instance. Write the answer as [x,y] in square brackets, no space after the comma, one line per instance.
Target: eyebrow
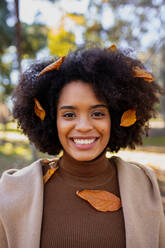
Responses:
[92,107]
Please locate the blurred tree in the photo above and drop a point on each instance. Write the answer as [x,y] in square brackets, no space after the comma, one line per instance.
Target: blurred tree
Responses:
[127,21]
[4,115]
[162,73]
[78,19]
[6,32]
[136,24]
[29,40]
[18,35]
[34,39]
[6,38]
[60,41]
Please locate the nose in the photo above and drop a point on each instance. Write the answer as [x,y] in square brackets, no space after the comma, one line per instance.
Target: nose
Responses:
[83,125]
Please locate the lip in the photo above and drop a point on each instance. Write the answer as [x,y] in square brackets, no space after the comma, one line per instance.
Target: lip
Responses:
[84,137]
[84,146]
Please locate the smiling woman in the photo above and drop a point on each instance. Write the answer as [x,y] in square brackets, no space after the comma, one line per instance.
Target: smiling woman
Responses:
[82,125]
[83,104]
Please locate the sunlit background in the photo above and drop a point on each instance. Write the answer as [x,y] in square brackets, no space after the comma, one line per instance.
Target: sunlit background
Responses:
[34,29]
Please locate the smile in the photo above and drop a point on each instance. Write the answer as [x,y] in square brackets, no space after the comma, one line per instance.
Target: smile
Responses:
[84,141]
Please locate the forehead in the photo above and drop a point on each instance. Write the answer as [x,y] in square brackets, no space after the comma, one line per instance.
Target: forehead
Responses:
[78,92]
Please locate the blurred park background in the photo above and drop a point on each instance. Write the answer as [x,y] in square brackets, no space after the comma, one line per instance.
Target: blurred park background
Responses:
[35,29]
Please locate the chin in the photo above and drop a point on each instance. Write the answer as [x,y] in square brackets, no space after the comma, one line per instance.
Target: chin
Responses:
[84,158]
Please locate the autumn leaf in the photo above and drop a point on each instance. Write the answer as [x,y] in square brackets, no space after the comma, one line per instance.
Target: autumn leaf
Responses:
[101,200]
[53,66]
[38,110]
[48,161]
[49,174]
[112,47]
[141,73]
[128,118]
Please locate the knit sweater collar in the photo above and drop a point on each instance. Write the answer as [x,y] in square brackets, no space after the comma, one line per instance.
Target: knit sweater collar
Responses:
[84,169]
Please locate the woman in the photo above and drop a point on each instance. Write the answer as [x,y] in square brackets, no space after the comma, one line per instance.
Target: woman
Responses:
[92,100]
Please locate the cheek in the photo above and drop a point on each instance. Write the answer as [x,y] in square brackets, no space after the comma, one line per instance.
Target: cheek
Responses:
[106,128]
[63,127]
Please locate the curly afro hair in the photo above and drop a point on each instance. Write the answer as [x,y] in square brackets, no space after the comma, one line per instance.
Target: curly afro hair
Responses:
[110,73]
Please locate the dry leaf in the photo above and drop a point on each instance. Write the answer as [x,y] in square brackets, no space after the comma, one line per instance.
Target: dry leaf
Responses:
[48,161]
[38,110]
[141,73]
[101,200]
[45,161]
[48,174]
[53,66]
[128,118]
[112,48]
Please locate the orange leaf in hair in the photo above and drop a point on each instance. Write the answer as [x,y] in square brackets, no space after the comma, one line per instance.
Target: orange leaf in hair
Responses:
[141,73]
[128,118]
[112,47]
[53,66]
[38,110]
[101,200]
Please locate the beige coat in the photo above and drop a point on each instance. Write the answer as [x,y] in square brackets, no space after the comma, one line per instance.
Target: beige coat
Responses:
[21,205]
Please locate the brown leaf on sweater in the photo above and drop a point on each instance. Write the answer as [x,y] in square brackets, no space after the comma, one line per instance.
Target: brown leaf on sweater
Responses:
[38,110]
[112,47]
[128,118]
[101,200]
[141,73]
[53,66]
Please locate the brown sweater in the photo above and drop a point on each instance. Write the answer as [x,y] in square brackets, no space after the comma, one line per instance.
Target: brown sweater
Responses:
[70,222]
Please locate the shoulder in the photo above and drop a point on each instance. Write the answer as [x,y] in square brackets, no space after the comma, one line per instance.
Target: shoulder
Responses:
[140,196]
[134,168]
[14,176]
[140,178]
[15,183]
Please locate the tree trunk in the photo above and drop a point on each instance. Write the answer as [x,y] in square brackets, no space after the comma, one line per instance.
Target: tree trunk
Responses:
[162,73]
[18,35]
[19,58]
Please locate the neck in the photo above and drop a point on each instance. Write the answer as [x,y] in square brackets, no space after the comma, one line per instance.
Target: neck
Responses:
[84,168]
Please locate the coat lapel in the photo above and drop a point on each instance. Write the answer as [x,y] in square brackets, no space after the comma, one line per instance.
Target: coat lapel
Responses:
[140,205]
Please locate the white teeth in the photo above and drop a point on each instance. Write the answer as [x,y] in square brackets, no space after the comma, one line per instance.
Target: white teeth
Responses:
[83,141]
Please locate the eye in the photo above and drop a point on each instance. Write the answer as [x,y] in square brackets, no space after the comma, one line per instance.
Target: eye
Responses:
[69,115]
[98,114]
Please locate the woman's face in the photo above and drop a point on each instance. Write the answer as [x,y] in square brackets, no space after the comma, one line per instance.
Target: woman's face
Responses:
[83,121]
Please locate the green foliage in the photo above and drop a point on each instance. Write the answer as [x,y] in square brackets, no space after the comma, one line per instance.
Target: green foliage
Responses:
[34,38]
[61,42]
[154,141]
[6,32]
[78,19]
[131,21]
[6,39]
[14,155]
